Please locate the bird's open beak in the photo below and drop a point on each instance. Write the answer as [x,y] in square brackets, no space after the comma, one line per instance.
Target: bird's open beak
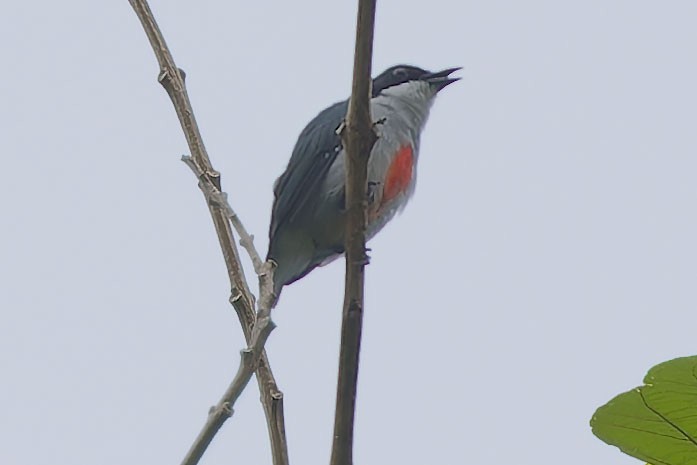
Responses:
[441,79]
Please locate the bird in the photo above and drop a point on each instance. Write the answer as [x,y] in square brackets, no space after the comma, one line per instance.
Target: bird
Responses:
[308,215]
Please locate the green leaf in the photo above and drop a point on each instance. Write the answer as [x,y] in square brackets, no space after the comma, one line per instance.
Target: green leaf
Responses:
[657,422]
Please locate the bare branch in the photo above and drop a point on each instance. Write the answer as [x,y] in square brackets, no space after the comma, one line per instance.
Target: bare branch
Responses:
[223,410]
[219,200]
[254,358]
[358,136]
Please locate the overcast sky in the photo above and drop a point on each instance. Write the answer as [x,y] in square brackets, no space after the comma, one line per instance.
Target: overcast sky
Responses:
[546,261]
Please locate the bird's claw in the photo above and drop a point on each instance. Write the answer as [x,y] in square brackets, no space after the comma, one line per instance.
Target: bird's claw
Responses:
[366,257]
[372,189]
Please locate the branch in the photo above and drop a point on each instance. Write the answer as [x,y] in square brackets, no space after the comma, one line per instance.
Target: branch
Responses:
[254,358]
[223,410]
[358,137]
[219,200]
[256,332]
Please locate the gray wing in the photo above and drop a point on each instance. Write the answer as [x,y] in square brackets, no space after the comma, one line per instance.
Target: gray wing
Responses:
[298,188]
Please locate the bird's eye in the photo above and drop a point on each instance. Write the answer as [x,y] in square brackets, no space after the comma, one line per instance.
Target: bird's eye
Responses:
[400,73]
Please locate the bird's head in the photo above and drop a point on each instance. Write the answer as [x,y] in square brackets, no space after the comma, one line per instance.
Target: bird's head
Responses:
[403,74]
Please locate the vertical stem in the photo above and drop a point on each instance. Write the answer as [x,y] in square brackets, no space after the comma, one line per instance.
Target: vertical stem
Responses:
[358,137]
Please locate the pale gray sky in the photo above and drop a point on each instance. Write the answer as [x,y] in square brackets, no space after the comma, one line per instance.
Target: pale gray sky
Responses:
[547,260]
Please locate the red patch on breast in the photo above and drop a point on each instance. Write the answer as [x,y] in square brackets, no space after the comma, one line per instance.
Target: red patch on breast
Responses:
[398,174]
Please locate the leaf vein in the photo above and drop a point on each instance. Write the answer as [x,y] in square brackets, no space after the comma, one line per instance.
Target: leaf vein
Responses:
[666,419]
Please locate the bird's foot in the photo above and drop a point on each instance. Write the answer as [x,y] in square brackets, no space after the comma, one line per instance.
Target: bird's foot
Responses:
[366,257]
[372,190]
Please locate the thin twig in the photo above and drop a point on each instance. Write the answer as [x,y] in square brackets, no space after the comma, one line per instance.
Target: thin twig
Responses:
[224,409]
[253,358]
[219,199]
[358,136]
[256,334]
